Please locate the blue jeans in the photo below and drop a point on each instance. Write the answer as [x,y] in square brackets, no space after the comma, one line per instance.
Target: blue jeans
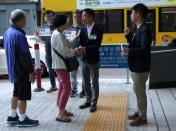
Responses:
[74,82]
[73,78]
[51,71]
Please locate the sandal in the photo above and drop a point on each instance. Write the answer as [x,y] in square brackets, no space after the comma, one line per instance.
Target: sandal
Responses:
[67,113]
[63,118]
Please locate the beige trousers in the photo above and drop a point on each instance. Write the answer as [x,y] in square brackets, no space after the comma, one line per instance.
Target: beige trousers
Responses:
[139,86]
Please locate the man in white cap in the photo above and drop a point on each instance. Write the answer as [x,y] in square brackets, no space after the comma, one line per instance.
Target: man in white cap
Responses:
[20,69]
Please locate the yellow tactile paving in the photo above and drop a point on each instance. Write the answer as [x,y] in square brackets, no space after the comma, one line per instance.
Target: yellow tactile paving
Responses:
[111,113]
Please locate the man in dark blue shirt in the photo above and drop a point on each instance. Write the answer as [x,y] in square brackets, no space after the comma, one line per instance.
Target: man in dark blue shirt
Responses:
[49,16]
[20,69]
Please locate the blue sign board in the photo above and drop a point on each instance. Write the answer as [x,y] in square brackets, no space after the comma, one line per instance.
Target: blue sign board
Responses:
[111,56]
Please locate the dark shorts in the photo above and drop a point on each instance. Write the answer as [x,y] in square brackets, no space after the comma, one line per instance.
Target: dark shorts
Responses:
[22,90]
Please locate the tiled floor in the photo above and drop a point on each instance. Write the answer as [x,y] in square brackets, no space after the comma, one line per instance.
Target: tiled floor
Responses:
[161,108]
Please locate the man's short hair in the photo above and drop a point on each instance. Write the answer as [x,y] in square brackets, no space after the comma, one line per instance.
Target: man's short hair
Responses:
[89,12]
[49,12]
[16,15]
[141,8]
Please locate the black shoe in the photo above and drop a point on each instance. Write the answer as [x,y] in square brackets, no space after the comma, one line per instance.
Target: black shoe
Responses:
[12,120]
[27,122]
[85,105]
[82,94]
[93,108]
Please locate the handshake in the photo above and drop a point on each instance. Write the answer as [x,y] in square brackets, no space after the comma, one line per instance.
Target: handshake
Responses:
[79,50]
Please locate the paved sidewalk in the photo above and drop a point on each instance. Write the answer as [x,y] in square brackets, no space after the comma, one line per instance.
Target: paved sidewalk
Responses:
[161,106]
[43,107]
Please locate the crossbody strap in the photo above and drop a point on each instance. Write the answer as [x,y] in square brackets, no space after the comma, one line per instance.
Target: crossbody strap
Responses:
[58,54]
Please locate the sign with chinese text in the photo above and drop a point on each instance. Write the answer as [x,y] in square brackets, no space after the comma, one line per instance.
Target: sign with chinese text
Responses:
[111,56]
[42,31]
[81,4]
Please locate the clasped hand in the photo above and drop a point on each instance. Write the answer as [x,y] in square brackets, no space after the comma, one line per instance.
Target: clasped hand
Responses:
[80,50]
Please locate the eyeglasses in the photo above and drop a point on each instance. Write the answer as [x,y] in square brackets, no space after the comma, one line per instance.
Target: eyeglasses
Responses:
[48,15]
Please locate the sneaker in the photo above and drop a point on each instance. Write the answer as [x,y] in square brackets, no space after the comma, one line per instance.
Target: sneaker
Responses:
[12,120]
[73,94]
[27,122]
[51,89]
[82,94]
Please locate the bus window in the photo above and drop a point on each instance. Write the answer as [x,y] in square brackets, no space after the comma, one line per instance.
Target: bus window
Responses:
[150,20]
[110,21]
[167,19]
[100,19]
[115,21]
